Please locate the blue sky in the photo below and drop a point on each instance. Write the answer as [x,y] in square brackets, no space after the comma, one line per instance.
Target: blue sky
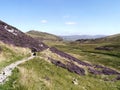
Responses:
[63,17]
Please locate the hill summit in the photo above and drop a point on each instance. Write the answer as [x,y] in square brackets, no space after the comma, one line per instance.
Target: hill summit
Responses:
[44,36]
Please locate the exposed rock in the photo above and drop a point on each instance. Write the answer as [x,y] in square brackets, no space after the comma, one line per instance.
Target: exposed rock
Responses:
[74,68]
[108,71]
[65,55]
[11,35]
[118,77]
[98,66]
[103,70]
[93,71]
[33,49]
[75,81]
[70,67]
[57,63]
[104,48]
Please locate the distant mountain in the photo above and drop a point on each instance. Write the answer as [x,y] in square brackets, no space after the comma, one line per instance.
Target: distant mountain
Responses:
[108,39]
[11,35]
[111,38]
[43,35]
[76,37]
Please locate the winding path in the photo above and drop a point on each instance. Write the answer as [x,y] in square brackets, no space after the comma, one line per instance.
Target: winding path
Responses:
[7,71]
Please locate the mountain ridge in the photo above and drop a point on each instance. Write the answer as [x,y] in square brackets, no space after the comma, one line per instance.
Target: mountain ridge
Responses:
[108,39]
[76,37]
[43,35]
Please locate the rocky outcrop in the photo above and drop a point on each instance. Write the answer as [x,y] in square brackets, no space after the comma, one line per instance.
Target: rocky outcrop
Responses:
[104,48]
[65,55]
[69,66]
[91,68]
[105,71]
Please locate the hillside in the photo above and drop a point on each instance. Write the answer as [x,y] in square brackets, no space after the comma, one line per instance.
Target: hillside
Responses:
[109,39]
[43,36]
[11,35]
[109,44]
[52,69]
[10,54]
[65,66]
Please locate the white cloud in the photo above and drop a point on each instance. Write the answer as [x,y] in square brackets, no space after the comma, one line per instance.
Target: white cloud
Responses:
[44,21]
[70,23]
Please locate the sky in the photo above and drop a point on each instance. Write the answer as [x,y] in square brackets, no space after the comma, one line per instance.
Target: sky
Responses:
[63,17]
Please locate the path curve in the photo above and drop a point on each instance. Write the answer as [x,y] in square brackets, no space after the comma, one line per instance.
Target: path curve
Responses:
[7,71]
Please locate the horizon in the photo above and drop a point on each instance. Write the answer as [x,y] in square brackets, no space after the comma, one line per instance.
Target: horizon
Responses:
[63,17]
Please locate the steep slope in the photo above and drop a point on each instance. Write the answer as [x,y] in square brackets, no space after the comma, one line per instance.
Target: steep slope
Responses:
[113,38]
[10,54]
[43,35]
[11,35]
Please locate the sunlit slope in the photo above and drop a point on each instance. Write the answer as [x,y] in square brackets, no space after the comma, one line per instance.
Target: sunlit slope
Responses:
[10,54]
[43,35]
[39,74]
[109,39]
[112,38]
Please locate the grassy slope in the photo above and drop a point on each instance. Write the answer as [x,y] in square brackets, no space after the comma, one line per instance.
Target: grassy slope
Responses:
[113,39]
[48,39]
[88,53]
[38,74]
[43,35]
[9,54]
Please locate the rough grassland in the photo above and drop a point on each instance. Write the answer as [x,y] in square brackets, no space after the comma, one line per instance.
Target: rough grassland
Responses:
[10,54]
[38,74]
[88,53]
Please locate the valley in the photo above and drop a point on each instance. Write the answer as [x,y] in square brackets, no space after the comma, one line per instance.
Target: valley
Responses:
[59,44]
[58,64]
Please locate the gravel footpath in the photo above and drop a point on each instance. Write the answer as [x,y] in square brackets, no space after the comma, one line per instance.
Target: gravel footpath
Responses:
[7,71]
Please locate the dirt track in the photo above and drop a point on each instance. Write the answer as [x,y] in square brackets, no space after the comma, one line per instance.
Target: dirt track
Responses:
[7,71]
